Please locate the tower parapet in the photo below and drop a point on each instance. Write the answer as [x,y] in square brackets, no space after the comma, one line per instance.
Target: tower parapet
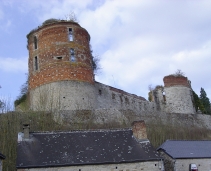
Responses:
[172,80]
[178,95]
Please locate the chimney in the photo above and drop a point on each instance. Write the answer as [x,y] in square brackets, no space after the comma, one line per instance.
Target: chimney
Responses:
[139,130]
[26,128]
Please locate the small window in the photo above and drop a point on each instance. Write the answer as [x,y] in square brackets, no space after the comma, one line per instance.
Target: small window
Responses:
[72,55]
[35,63]
[35,42]
[100,92]
[70,34]
[113,96]
[59,57]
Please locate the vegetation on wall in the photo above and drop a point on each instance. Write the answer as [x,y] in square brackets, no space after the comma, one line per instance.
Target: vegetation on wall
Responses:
[95,61]
[151,89]
[178,73]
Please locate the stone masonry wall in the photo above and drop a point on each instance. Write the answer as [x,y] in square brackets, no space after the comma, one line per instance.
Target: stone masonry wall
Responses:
[178,95]
[139,166]
[202,164]
[126,117]
[110,97]
[63,95]
[179,100]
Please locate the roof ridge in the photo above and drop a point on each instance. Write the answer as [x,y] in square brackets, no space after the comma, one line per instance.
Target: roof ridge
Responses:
[82,130]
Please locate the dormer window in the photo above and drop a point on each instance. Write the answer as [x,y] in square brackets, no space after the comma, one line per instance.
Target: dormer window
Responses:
[70,34]
[35,42]
[72,55]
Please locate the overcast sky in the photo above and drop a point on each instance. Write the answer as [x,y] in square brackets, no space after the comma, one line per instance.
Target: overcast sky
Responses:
[138,41]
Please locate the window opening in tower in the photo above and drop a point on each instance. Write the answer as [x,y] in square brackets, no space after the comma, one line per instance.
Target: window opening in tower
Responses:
[35,63]
[35,42]
[70,34]
[72,55]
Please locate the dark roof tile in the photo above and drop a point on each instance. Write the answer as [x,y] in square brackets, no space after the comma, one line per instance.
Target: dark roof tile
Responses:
[82,148]
[187,149]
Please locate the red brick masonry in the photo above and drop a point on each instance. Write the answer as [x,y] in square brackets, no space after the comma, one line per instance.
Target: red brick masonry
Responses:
[53,41]
[174,81]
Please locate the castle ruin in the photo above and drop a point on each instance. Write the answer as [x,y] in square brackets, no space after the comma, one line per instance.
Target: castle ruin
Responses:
[61,76]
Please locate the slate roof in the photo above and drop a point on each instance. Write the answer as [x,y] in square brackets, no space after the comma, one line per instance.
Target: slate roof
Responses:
[53,149]
[185,149]
[2,156]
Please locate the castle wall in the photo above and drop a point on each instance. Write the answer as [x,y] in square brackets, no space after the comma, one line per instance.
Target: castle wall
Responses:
[178,100]
[110,97]
[63,95]
[114,117]
[76,95]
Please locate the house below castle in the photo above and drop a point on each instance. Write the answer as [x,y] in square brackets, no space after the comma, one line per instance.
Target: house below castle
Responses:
[88,150]
[186,155]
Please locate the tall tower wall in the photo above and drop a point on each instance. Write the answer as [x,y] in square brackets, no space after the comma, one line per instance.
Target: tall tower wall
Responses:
[178,95]
[60,64]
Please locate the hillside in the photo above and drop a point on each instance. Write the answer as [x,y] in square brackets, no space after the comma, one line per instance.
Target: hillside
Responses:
[11,124]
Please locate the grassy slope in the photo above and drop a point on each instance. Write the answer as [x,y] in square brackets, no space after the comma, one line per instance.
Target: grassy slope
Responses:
[11,124]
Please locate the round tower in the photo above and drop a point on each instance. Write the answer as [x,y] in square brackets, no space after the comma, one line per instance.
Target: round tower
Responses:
[178,95]
[60,67]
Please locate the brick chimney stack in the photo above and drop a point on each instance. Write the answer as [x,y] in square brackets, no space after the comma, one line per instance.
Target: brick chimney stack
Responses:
[139,130]
[26,128]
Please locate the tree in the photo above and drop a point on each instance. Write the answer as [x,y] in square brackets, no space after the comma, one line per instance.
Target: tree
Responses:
[197,103]
[205,101]
[2,104]
[23,93]
[95,61]
[179,73]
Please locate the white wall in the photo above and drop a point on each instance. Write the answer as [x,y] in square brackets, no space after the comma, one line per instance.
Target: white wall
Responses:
[178,100]
[142,166]
[202,164]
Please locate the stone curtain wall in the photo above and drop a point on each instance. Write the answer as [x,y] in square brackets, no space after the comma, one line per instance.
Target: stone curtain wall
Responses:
[146,166]
[126,117]
[109,97]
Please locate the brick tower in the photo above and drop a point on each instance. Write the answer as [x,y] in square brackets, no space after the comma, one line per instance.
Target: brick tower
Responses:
[60,67]
[178,95]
